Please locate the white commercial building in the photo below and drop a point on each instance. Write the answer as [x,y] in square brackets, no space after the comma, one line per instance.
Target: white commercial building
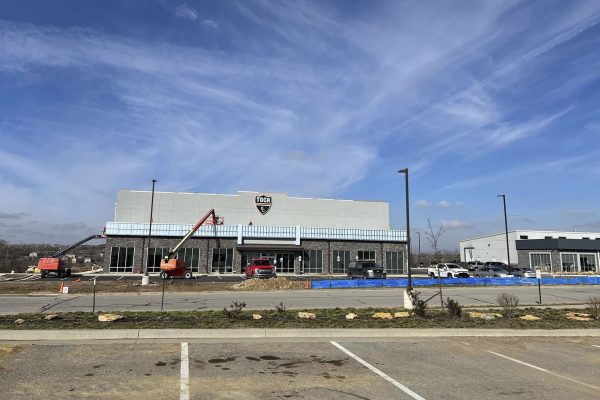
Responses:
[299,235]
[554,251]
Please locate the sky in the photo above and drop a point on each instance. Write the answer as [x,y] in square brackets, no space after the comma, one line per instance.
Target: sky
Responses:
[311,98]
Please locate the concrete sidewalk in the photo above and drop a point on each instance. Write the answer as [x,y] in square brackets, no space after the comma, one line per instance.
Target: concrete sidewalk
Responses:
[181,334]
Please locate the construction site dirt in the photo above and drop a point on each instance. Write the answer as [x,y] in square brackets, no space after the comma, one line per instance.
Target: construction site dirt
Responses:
[171,285]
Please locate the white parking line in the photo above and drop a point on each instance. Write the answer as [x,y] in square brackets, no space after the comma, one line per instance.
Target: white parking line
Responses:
[378,372]
[184,389]
[595,345]
[544,370]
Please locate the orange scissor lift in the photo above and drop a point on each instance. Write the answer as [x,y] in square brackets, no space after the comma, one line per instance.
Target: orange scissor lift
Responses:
[171,266]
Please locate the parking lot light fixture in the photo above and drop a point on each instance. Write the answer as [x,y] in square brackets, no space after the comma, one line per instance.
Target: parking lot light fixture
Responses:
[409,286]
[150,226]
[506,232]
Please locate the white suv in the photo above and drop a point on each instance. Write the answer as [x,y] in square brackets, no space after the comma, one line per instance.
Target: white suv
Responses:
[447,270]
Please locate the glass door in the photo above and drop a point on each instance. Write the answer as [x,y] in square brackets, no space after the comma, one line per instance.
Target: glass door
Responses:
[285,263]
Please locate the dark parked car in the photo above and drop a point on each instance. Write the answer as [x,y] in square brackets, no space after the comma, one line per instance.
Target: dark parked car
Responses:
[519,272]
[474,265]
[365,270]
[496,264]
[495,272]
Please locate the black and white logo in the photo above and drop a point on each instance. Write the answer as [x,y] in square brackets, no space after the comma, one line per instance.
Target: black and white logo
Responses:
[263,203]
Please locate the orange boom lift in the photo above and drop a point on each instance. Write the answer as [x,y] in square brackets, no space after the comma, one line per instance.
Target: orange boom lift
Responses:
[171,266]
[55,264]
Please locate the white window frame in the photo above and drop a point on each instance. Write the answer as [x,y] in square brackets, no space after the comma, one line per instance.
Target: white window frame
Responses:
[540,253]
[588,254]
[577,267]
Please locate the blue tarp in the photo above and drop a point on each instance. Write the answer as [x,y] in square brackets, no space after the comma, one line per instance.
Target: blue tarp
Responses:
[403,282]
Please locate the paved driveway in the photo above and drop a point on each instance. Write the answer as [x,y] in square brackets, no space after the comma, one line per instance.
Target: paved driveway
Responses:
[292,299]
[419,368]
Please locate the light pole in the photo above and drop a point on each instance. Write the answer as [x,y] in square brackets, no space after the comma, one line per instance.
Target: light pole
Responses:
[410,286]
[506,231]
[146,279]
[419,249]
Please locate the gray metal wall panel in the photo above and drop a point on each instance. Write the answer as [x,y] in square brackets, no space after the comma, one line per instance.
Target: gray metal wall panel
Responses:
[187,208]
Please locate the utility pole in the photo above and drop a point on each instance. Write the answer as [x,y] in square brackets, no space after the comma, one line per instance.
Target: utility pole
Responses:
[146,277]
[506,231]
[410,285]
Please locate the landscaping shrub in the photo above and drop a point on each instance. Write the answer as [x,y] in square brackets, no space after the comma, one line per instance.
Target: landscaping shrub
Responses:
[593,307]
[509,304]
[419,306]
[454,309]
[235,310]
[280,310]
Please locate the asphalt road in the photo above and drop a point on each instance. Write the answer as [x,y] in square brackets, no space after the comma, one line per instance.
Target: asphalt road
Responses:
[367,369]
[292,299]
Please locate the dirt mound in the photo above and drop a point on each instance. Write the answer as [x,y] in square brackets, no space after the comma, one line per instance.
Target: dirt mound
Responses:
[269,284]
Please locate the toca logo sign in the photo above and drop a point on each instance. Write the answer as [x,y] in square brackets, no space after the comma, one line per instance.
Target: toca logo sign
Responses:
[263,203]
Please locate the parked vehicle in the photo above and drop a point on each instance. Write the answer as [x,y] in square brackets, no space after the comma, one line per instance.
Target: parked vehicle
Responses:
[260,268]
[519,272]
[495,272]
[366,270]
[447,270]
[171,266]
[498,264]
[56,264]
[474,265]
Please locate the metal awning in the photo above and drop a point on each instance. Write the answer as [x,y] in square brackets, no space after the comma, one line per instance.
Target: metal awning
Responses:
[269,247]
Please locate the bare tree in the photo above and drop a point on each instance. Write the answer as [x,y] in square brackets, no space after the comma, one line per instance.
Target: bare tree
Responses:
[433,237]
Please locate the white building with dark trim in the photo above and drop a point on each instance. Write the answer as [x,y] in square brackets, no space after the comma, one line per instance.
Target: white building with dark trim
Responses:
[552,251]
[299,235]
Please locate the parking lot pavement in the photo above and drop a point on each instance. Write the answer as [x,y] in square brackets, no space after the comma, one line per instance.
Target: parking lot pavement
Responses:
[424,368]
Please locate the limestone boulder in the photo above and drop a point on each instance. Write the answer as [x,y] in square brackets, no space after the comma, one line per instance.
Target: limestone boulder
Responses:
[530,317]
[307,315]
[383,315]
[109,317]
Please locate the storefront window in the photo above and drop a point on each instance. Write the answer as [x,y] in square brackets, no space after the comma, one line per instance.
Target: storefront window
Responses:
[587,262]
[366,255]
[394,262]
[569,262]
[312,261]
[222,261]
[121,259]
[541,261]
[340,261]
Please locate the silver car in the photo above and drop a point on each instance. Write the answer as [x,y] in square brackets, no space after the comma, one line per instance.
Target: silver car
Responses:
[523,272]
[495,272]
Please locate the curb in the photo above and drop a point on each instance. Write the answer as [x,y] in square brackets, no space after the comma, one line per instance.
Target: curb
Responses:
[178,334]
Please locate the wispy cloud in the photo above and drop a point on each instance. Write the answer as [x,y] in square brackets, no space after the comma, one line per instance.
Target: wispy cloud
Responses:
[185,11]
[209,23]
[573,211]
[422,203]
[16,215]
[455,224]
[326,99]
[556,165]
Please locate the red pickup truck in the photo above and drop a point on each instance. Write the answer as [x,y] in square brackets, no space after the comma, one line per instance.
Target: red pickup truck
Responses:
[260,268]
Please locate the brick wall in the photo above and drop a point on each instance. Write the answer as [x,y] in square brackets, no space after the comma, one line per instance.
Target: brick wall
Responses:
[206,245]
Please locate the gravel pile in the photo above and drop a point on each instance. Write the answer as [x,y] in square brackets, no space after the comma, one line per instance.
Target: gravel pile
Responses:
[269,284]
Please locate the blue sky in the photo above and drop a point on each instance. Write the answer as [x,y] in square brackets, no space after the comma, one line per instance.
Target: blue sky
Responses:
[323,98]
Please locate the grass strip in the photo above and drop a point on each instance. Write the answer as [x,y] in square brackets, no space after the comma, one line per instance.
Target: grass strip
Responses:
[329,318]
